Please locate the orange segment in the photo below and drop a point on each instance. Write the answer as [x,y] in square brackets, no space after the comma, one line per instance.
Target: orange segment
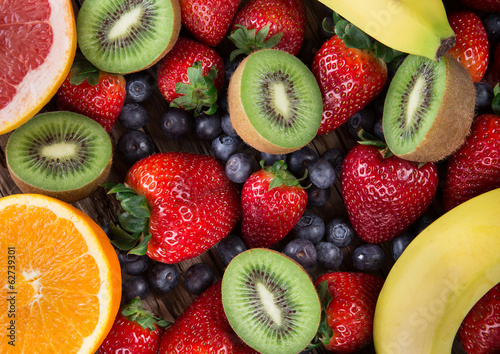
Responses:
[61,279]
[37,48]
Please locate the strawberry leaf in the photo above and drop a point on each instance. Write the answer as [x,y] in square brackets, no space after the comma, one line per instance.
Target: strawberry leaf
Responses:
[134,311]
[142,246]
[122,239]
[324,333]
[82,70]
[200,92]
[248,41]
[136,206]
[496,99]
[132,223]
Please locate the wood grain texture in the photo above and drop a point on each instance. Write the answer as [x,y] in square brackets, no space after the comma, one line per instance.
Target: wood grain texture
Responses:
[103,208]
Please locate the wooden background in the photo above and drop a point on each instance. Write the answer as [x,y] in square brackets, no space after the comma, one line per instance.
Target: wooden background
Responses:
[102,207]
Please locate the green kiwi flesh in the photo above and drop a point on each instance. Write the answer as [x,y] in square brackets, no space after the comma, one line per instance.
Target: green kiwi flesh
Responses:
[428,109]
[270,302]
[275,102]
[124,36]
[60,154]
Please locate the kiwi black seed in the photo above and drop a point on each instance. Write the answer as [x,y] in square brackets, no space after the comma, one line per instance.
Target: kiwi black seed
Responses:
[428,109]
[125,36]
[275,102]
[60,154]
[270,302]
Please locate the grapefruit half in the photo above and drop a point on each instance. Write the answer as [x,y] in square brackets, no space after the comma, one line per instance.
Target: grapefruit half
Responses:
[37,48]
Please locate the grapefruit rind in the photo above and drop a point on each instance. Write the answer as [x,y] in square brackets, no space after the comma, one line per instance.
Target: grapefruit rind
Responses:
[39,85]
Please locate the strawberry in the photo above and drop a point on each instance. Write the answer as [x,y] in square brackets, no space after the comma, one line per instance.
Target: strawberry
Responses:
[272,202]
[190,76]
[349,74]
[384,195]
[348,305]
[285,19]
[135,330]
[475,168]
[177,205]
[471,48]
[479,333]
[483,5]
[91,92]
[203,328]
[208,20]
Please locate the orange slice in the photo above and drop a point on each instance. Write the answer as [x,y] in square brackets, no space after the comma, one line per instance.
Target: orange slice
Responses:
[37,48]
[60,280]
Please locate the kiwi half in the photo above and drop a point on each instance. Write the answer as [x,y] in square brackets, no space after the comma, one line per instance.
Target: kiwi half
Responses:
[125,36]
[270,302]
[60,154]
[275,102]
[429,108]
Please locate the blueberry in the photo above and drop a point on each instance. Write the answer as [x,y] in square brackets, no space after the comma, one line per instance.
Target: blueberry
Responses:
[176,123]
[340,232]
[224,146]
[299,160]
[139,87]
[231,65]
[270,159]
[317,197]
[328,255]
[368,257]
[302,251]
[208,126]
[310,226]
[399,244]
[378,130]
[133,116]
[135,145]
[163,277]
[198,278]
[136,286]
[132,263]
[321,173]
[229,247]
[335,157]
[227,127]
[491,23]
[364,119]
[239,167]
[422,223]
[484,97]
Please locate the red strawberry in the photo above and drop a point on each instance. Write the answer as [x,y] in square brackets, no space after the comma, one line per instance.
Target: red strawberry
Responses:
[384,195]
[480,330]
[193,205]
[187,84]
[286,18]
[96,94]
[471,48]
[348,300]
[475,168]
[273,202]
[135,330]
[208,20]
[484,5]
[349,78]
[203,328]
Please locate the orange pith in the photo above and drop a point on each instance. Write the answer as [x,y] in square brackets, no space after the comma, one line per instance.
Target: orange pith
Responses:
[37,48]
[60,282]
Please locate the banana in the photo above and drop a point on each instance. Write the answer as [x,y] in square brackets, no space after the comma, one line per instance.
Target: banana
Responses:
[446,269]
[418,27]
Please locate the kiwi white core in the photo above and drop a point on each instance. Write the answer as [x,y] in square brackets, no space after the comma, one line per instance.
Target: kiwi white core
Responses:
[268,300]
[59,150]
[125,23]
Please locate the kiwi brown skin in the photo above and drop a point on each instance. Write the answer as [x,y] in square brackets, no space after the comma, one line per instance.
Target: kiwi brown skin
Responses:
[240,121]
[453,120]
[70,195]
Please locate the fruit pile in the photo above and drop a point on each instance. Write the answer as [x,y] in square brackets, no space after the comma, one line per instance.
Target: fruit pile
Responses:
[279,176]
